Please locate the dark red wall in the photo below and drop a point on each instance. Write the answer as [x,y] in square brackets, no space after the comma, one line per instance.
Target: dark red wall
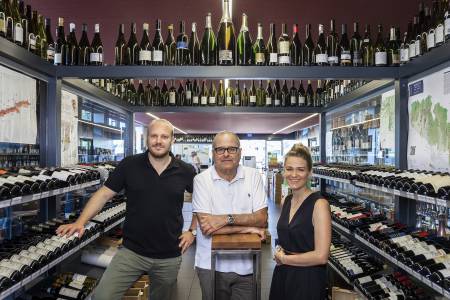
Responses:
[110,13]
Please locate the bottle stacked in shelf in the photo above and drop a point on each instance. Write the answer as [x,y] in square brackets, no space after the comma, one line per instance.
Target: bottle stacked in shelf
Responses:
[393,286]
[39,246]
[427,183]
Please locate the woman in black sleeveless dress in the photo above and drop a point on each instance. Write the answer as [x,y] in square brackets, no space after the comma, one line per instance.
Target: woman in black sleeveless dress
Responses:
[304,235]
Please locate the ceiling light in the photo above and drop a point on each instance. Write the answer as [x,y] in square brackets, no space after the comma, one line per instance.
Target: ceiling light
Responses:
[296,123]
[157,118]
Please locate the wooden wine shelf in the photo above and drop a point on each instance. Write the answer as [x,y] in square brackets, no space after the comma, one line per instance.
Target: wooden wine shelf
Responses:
[33,197]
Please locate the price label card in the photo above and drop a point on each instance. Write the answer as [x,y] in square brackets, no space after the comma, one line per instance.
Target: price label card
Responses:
[447,294]
[16,200]
[36,196]
[45,194]
[57,191]
[441,202]
[397,192]
[66,189]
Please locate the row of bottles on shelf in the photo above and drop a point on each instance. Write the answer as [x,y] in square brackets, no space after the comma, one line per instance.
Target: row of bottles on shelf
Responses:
[95,151]
[207,139]
[431,29]
[21,182]
[195,94]
[18,161]
[38,245]
[428,183]
[22,149]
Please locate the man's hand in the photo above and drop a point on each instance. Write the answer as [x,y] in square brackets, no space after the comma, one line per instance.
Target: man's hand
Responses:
[186,240]
[69,229]
[209,224]
[259,231]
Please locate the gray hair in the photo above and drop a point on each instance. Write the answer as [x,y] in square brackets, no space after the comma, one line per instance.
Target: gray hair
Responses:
[226,132]
[164,122]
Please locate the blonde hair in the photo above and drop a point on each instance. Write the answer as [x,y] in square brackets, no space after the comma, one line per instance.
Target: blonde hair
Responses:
[162,121]
[299,150]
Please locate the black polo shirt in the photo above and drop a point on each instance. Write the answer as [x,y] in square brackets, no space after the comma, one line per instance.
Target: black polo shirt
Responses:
[154,219]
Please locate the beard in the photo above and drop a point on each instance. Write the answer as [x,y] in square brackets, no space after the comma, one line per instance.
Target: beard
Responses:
[158,155]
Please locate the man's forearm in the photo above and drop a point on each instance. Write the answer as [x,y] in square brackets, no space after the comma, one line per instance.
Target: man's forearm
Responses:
[94,205]
[231,230]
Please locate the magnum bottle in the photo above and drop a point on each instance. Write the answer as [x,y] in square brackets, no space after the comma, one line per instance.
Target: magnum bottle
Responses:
[284,45]
[259,50]
[158,46]
[182,50]
[96,53]
[321,50]
[271,48]
[170,47]
[145,48]
[244,44]
[194,47]
[308,48]
[132,53]
[84,47]
[208,47]
[226,39]
[355,46]
[332,46]
[296,47]
[344,48]
[60,44]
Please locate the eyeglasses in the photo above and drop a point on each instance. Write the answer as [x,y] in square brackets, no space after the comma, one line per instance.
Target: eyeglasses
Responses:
[230,150]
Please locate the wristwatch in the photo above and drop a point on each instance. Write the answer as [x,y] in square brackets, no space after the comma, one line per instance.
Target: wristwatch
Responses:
[193,231]
[230,220]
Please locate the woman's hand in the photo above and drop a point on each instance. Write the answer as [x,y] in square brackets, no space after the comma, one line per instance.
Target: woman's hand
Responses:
[279,255]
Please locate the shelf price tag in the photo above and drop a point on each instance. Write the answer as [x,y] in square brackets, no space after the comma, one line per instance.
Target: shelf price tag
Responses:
[441,202]
[36,196]
[45,194]
[16,200]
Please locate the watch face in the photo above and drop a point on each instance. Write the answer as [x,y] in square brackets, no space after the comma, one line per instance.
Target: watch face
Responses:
[194,232]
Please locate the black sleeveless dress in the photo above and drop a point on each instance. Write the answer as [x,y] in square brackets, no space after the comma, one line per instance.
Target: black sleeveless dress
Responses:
[298,283]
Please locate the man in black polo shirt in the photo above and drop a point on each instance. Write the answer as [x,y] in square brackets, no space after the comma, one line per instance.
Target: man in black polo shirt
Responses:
[154,184]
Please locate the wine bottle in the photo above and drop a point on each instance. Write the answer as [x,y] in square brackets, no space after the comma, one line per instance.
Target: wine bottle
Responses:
[244,96]
[32,30]
[244,44]
[308,48]
[318,94]
[321,50]
[344,48]
[293,95]
[84,47]
[132,52]
[50,55]
[419,42]
[96,54]
[60,44]
[285,95]
[447,21]
[226,39]
[9,21]
[171,47]
[252,95]
[25,21]
[195,94]
[237,94]
[367,48]
[145,48]
[284,44]
[172,94]
[277,94]
[164,94]
[301,95]
[229,96]
[404,47]
[380,49]
[18,30]
[204,94]
[431,35]
[188,93]
[156,94]
[332,46]
[259,50]
[42,43]
[269,94]
[158,45]
[3,18]
[426,25]
[393,49]
[194,47]
[272,49]
[181,95]
[182,50]
[296,47]
[148,94]
[140,94]
[221,98]
[439,35]
[355,46]
[208,47]
[72,47]
[212,94]
[309,95]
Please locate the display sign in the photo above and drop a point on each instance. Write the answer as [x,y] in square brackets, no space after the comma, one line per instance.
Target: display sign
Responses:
[69,129]
[429,123]
[387,120]
[18,119]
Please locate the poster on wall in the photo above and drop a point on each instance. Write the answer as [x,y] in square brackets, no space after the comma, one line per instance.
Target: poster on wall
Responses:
[18,119]
[387,120]
[69,129]
[429,122]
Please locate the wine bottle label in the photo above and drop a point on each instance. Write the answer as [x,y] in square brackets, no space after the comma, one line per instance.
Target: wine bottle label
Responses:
[418,49]
[157,55]
[322,58]
[446,264]
[365,279]
[333,59]
[79,278]
[6,272]
[439,34]
[260,58]
[229,100]
[301,100]
[268,100]
[39,250]
[283,47]
[188,95]
[2,22]
[145,55]
[21,259]
[395,58]
[237,100]
[11,265]
[18,33]
[50,54]
[273,58]
[96,57]
[346,56]
[404,55]
[431,42]
[293,100]
[277,102]
[284,60]
[182,45]
[204,100]
[172,98]
[58,58]
[26,253]
[32,41]
[357,59]
[447,26]
[76,285]
[212,100]
[412,50]
[69,293]
[195,100]
[380,58]
[225,56]
[445,273]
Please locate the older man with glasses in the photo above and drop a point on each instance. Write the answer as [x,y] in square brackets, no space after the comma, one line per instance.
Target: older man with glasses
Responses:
[227,198]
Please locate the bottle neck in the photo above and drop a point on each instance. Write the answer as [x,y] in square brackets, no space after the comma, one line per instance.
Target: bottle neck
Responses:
[260,32]
[226,16]
[283,29]
[208,24]
[244,26]
[393,35]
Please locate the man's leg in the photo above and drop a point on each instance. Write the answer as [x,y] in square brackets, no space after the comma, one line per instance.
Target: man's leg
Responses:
[223,291]
[163,275]
[124,269]
[241,287]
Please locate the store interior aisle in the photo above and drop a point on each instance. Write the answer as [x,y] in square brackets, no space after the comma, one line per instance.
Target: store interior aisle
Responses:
[188,286]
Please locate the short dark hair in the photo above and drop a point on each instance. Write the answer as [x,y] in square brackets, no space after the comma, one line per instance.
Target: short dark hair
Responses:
[299,150]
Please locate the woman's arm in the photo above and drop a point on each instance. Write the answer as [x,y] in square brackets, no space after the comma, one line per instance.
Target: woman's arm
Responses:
[322,240]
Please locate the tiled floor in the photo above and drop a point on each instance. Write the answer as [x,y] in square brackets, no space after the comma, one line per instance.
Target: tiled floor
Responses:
[188,286]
